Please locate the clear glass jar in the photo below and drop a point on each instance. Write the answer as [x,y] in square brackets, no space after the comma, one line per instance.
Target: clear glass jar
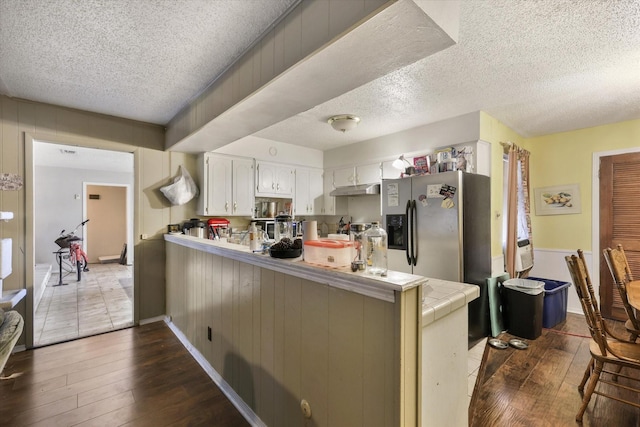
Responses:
[375,240]
[283,228]
[356,235]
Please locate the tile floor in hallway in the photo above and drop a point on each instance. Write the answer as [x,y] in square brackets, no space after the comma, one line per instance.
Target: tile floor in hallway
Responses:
[473,362]
[102,301]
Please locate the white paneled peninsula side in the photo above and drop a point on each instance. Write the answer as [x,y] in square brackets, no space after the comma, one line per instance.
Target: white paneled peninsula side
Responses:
[285,339]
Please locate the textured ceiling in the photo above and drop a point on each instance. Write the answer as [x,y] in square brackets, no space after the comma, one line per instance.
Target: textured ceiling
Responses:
[538,66]
[139,59]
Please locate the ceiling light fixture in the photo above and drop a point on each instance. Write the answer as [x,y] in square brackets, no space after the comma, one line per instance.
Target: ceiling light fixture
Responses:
[399,163]
[344,122]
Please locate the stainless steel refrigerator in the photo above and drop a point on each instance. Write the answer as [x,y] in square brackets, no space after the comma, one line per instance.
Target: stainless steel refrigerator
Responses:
[440,226]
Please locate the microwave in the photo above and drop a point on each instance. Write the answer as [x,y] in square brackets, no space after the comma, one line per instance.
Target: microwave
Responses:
[269,226]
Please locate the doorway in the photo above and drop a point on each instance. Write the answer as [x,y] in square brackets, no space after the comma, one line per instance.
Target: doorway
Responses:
[619,206]
[107,235]
[72,184]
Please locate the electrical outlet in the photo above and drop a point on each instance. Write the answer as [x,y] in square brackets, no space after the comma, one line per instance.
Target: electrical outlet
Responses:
[306,408]
[144,236]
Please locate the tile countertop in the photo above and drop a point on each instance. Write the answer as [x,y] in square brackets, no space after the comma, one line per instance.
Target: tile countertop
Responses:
[440,297]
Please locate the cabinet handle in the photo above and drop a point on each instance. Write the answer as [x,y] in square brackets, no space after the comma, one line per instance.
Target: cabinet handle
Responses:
[273,185]
[226,206]
[235,206]
[278,187]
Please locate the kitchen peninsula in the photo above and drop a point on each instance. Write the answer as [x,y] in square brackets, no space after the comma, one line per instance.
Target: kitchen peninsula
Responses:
[291,343]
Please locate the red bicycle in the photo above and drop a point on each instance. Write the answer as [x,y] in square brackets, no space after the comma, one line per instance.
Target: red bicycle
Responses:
[77,257]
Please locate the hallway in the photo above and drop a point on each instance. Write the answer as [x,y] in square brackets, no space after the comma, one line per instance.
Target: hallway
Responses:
[102,301]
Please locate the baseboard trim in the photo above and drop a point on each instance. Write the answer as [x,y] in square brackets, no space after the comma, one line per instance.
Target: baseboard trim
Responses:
[152,320]
[19,348]
[228,391]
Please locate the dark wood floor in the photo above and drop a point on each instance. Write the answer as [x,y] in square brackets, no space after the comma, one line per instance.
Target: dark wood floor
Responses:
[141,376]
[538,386]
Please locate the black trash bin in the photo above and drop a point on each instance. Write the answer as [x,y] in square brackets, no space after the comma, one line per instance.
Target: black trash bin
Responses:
[522,303]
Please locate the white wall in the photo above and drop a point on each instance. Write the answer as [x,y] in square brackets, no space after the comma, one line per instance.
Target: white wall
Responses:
[274,151]
[56,207]
[415,141]
[550,264]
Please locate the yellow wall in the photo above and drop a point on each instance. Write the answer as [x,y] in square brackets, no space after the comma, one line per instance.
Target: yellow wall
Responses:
[493,131]
[567,158]
[556,159]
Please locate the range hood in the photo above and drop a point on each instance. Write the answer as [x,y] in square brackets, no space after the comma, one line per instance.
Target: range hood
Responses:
[356,190]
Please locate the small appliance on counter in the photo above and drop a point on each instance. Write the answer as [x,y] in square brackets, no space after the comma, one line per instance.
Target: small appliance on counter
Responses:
[186,228]
[268,226]
[218,228]
[198,228]
[356,235]
[174,229]
[194,227]
[284,227]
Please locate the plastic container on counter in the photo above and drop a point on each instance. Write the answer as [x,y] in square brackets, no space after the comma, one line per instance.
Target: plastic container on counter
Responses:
[329,252]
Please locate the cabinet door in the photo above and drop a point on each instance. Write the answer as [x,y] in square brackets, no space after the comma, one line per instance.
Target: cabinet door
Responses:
[284,180]
[332,205]
[266,178]
[301,199]
[219,190]
[243,178]
[343,177]
[328,207]
[316,191]
[368,174]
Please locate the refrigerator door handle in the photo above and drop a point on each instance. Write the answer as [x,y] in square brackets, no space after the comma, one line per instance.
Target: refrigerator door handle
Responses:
[414,233]
[409,234]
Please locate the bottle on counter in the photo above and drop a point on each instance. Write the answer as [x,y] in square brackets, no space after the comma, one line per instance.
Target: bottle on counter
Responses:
[375,240]
[254,240]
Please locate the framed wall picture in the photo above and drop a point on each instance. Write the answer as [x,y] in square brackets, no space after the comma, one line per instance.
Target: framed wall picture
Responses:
[558,200]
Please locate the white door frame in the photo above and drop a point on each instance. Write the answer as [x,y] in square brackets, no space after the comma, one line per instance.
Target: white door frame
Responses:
[29,139]
[129,214]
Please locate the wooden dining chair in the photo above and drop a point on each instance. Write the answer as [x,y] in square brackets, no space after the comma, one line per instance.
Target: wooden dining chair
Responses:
[604,349]
[622,276]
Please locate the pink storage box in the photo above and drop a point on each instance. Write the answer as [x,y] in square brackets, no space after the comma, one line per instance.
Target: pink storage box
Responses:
[329,253]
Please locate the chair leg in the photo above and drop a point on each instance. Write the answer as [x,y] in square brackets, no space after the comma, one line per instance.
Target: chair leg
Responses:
[595,376]
[587,374]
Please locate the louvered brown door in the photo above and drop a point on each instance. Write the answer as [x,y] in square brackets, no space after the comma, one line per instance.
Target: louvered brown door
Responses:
[619,222]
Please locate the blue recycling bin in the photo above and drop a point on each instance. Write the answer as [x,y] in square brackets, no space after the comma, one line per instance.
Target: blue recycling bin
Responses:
[554,307]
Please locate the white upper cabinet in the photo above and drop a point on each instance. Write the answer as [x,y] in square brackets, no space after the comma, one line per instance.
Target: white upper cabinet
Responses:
[274,180]
[243,179]
[368,174]
[332,205]
[226,185]
[309,194]
[345,176]
[361,174]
